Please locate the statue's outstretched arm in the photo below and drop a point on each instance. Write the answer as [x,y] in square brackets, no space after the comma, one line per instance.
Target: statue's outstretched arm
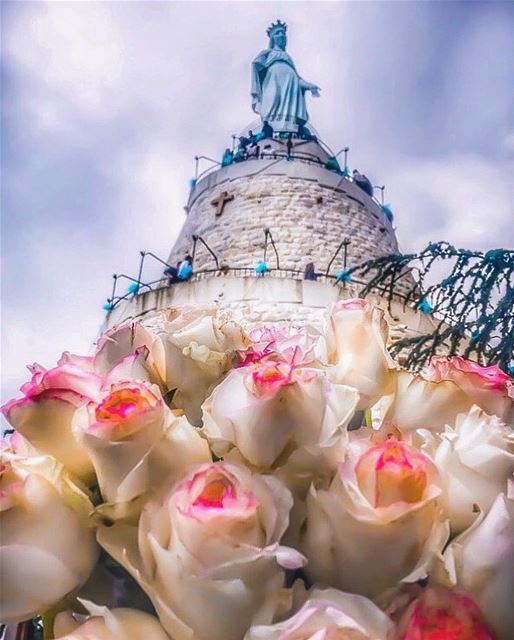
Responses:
[308,86]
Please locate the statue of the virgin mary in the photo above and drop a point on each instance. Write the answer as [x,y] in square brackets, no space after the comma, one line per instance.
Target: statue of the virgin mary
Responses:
[278,92]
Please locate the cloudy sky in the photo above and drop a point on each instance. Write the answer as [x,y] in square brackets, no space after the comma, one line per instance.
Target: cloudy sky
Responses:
[104,105]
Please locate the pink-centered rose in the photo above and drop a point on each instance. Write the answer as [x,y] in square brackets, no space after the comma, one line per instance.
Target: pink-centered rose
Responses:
[488,387]
[378,522]
[44,415]
[392,472]
[47,548]
[134,440]
[271,407]
[291,344]
[440,614]
[357,353]
[125,408]
[208,552]
[200,345]
[329,615]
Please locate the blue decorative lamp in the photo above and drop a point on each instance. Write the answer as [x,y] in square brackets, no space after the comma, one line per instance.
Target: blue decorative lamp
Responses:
[388,213]
[425,307]
[261,268]
[344,276]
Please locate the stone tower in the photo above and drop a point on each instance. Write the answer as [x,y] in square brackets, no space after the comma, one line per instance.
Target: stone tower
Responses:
[283,200]
[307,208]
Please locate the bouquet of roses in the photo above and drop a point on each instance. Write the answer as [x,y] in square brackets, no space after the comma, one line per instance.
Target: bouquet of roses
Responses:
[208,481]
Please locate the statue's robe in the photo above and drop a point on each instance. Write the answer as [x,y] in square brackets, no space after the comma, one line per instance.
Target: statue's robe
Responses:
[277,91]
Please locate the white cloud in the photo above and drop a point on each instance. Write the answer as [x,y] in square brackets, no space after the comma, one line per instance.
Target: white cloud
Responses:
[132,91]
[72,57]
[464,199]
[479,77]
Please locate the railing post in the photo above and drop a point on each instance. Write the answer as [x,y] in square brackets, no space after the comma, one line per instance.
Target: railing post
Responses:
[193,252]
[266,232]
[382,189]
[115,280]
[143,254]
[344,244]
[274,248]
[345,149]
[199,238]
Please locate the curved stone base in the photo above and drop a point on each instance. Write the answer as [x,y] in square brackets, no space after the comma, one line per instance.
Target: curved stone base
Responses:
[253,300]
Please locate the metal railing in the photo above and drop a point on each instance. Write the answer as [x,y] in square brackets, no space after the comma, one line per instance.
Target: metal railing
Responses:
[282,155]
[272,272]
[473,306]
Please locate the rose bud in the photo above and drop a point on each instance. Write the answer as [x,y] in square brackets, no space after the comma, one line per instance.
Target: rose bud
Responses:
[488,387]
[417,403]
[116,345]
[357,351]
[200,346]
[475,459]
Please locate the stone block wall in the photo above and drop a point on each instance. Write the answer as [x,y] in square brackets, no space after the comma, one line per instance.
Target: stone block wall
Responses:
[307,209]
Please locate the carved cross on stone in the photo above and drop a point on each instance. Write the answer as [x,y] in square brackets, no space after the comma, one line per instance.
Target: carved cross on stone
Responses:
[220,202]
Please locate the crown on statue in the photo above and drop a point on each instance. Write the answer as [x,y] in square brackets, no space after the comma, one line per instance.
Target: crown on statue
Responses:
[276,26]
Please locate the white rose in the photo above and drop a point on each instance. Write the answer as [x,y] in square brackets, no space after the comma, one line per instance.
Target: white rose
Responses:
[48,549]
[329,614]
[481,561]
[135,442]
[417,403]
[475,459]
[271,407]
[199,348]
[44,415]
[108,624]
[208,552]
[488,387]
[378,522]
[122,342]
[356,340]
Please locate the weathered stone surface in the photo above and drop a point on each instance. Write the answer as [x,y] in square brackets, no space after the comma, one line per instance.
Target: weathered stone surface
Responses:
[271,299]
[308,216]
[308,211]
